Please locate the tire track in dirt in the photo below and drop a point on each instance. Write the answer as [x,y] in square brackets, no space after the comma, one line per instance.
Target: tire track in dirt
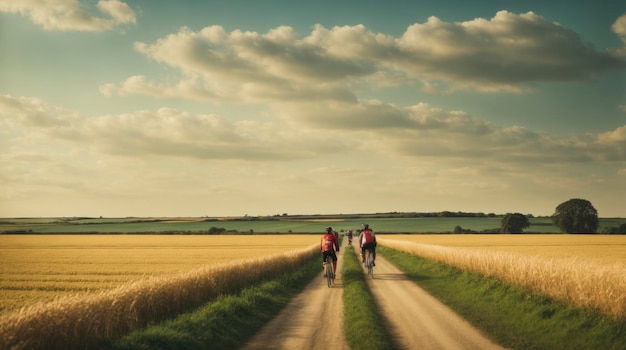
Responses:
[416,319]
[312,320]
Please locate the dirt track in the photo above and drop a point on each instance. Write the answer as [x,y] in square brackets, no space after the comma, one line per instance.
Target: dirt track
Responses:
[304,323]
[416,319]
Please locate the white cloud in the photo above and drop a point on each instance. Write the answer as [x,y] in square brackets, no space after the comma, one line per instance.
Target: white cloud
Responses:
[306,131]
[619,26]
[508,52]
[168,154]
[165,132]
[70,15]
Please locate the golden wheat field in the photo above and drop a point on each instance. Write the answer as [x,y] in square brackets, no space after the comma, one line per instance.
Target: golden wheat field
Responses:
[44,267]
[600,248]
[584,270]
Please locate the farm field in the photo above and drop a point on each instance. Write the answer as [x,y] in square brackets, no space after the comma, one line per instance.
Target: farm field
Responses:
[270,225]
[44,267]
[608,249]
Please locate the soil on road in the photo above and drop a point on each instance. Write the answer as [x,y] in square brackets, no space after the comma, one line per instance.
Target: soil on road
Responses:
[416,319]
[314,319]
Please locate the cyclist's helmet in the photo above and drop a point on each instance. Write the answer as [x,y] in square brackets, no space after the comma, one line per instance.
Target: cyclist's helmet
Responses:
[366,226]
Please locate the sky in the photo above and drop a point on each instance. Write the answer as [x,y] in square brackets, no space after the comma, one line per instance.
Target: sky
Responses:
[226,108]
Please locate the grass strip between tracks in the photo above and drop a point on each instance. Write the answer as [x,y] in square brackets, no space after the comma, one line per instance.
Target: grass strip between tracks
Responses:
[228,321]
[364,326]
[512,316]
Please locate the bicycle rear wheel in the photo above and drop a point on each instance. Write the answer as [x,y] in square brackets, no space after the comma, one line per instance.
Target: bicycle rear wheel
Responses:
[329,272]
[369,262]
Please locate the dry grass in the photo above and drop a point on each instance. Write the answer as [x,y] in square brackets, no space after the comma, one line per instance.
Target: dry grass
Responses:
[45,267]
[575,280]
[83,321]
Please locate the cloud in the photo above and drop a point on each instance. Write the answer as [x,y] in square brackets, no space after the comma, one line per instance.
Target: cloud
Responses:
[398,153]
[70,15]
[308,131]
[165,133]
[506,52]
[422,130]
[509,52]
[619,28]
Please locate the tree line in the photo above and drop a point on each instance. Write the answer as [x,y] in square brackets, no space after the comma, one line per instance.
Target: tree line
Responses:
[573,216]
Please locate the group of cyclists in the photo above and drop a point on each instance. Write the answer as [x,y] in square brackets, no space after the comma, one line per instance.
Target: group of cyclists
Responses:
[330,244]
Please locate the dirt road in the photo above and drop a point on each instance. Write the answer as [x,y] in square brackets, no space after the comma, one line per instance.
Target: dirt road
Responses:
[312,320]
[416,319]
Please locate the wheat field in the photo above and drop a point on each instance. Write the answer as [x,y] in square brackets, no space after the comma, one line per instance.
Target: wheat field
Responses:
[587,271]
[40,268]
[83,320]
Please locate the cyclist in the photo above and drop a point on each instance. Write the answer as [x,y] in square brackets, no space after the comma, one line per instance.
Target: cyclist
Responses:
[328,244]
[367,240]
[349,234]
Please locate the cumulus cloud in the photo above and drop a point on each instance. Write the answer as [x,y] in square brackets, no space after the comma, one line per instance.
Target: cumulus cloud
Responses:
[619,27]
[165,132]
[70,15]
[509,52]
[505,52]
[422,130]
[311,131]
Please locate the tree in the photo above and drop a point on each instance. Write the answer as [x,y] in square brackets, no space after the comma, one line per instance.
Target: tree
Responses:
[576,216]
[514,223]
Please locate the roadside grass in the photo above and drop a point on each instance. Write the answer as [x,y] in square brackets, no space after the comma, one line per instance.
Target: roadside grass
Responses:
[364,326]
[510,315]
[228,321]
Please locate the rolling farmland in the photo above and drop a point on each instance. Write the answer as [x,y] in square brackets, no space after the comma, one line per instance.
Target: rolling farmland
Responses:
[286,224]
[79,267]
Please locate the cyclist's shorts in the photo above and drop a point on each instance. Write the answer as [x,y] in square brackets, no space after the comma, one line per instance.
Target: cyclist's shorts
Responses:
[330,254]
[371,246]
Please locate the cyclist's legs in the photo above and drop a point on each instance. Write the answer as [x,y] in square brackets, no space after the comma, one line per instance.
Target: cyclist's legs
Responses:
[325,256]
[329,255]
[371,248]
[334,256]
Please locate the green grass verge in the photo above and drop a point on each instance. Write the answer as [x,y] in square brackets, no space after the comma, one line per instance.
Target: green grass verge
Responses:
[510,315]
[227,322]
[364,327]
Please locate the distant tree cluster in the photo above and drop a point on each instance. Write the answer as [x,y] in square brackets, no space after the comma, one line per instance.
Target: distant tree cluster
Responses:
[576,216]
[573,216]
[514,223]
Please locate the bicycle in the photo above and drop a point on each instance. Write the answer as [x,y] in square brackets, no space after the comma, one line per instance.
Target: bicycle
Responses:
[329,271]
[369,263]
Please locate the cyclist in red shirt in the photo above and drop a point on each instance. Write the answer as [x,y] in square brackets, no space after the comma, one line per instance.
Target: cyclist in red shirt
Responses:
[328,244]
[367,240]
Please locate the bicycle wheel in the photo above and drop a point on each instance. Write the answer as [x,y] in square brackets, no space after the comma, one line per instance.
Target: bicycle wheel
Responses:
[369,261]
[329,272]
